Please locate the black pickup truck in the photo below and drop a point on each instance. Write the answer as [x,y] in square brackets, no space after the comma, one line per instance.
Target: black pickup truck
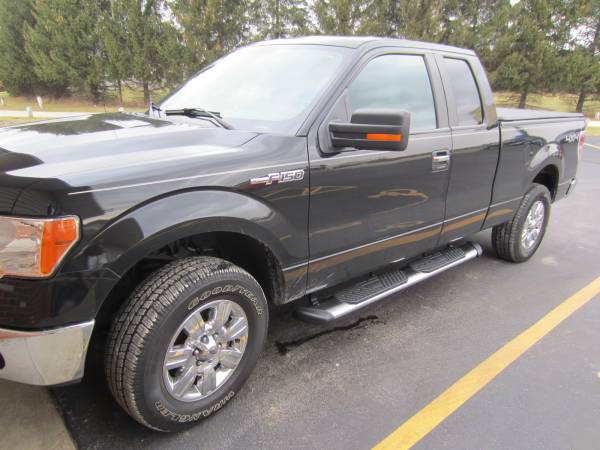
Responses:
[327,171]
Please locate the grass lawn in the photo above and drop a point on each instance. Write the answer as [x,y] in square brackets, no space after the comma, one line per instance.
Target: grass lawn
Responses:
[554,102]
[7,121]
[592,131]
[133,100]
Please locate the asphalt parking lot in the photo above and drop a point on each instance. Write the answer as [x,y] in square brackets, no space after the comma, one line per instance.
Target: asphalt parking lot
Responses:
[351,385]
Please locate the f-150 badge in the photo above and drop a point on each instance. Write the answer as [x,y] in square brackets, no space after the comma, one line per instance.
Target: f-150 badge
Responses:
[279,177]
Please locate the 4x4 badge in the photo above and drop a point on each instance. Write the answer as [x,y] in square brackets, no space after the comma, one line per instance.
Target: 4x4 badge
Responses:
[279,177]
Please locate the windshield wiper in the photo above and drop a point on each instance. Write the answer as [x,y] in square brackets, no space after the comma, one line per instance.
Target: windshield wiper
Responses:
[200,113]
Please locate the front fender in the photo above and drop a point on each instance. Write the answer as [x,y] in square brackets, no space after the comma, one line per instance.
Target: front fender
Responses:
[149,227]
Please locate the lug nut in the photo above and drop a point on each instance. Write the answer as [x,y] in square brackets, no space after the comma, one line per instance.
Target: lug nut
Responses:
[204,339]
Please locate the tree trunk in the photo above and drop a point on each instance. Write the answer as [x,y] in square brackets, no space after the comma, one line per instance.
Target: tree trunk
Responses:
[120,89]
[581,101]
[146,93]
[523,99]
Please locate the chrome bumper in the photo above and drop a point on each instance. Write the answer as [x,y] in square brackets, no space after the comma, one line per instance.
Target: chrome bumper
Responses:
[44,357]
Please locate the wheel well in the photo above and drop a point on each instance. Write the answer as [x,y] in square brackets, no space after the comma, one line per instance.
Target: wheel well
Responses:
[244,251]
[548,177]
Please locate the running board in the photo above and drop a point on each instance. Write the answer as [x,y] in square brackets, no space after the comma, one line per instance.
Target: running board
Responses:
[364,293]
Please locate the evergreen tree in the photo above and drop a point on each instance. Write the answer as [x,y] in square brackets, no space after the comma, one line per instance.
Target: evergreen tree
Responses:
[64,45]
[528,51]
[582,68]
[140,44]
[400,18]
[274,19]
[16,66]
[340,17]
[210,28]
[116,51]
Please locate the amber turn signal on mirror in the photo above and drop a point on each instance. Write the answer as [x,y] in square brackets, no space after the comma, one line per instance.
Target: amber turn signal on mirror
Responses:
[384,137]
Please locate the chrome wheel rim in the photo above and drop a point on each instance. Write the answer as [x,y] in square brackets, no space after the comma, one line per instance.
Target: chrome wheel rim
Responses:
[534,223]
[205,350]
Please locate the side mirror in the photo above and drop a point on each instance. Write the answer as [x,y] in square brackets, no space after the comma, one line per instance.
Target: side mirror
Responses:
[372,129]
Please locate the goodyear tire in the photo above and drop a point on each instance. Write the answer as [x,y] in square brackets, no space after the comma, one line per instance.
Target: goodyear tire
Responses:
[185,342]
[519,239]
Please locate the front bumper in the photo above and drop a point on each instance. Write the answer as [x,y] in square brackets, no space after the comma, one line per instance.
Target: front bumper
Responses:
[45,357]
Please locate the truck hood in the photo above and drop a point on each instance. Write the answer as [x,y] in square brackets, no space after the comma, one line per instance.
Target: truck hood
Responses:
[105,148]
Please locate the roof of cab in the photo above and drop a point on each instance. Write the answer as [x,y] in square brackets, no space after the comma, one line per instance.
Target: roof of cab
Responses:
[366,41]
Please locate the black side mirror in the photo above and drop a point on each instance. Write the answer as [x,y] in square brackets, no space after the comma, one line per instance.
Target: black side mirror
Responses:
[372,129]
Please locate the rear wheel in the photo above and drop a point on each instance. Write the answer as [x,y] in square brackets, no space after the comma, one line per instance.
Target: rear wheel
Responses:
[185,342]
[519,239]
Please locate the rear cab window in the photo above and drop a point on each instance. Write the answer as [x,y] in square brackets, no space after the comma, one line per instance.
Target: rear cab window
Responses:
[466,94]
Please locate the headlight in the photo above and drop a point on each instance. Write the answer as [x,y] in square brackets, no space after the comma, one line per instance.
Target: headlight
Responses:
[35,247]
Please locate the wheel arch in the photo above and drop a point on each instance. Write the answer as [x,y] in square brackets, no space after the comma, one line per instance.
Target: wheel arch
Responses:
[548,176]
[234,226]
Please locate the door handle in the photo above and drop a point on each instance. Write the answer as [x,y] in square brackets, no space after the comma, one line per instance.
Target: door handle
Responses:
[440,160]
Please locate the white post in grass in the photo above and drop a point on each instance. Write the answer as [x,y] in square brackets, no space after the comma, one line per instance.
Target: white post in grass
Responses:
[2,101]
[598,115]
[40,101]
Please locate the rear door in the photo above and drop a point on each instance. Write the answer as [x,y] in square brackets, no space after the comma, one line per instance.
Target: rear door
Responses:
[475,145]
[370,208]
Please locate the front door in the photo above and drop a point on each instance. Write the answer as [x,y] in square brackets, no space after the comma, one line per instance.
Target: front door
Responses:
[371,208]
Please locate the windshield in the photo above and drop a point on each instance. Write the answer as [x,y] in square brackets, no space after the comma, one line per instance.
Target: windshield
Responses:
[267,88]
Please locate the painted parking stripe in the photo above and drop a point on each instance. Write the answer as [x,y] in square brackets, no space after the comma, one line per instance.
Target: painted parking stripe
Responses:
[428,418]
[593,146]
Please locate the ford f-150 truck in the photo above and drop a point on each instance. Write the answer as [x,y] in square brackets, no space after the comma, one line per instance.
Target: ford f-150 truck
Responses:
[326,171]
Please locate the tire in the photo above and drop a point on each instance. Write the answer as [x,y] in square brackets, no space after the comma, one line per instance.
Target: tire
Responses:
[158,316]
[507,238]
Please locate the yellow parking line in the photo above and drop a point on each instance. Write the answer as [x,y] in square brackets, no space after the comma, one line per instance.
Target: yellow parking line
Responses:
[419,425]
[593,146]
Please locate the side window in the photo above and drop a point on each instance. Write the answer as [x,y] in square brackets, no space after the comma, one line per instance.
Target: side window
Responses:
[396,82]
[466,94]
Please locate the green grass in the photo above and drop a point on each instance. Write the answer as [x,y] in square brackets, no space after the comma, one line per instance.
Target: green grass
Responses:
[7,121]
[133,100]
[592,131]
[553,102]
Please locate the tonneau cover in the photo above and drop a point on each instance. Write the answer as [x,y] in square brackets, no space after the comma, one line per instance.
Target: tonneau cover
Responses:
[515,114]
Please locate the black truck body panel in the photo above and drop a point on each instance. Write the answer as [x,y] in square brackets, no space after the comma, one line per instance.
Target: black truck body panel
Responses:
[139,182]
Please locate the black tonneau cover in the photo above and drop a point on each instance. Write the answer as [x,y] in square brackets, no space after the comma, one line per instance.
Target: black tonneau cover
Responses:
[514,114]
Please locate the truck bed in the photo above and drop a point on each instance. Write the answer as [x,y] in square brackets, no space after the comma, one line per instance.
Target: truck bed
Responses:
[515,114]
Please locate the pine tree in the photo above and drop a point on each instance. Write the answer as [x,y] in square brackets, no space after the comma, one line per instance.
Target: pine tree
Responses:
[116,51]
[274,19]
[340,17]
[529,49]
[139,43]
[64,45]
[210,28]
[582,68]
[16,67]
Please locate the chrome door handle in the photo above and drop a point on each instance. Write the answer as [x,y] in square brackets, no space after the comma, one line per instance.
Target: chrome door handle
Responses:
[440,160]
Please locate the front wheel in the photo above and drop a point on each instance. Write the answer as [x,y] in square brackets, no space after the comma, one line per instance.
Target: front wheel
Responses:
[518,240]
[185,342]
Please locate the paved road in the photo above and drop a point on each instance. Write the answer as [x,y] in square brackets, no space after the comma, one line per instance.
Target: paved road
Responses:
[349,386]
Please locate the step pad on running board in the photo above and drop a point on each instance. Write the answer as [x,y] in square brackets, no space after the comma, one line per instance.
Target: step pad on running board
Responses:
[373,286]
[352,298]
[440,259]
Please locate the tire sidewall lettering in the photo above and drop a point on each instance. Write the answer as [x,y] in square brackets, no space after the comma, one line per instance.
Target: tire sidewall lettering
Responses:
[228,288]
[184,418]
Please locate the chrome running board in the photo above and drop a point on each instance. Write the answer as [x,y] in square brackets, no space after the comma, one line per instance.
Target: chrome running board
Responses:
[364,293]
